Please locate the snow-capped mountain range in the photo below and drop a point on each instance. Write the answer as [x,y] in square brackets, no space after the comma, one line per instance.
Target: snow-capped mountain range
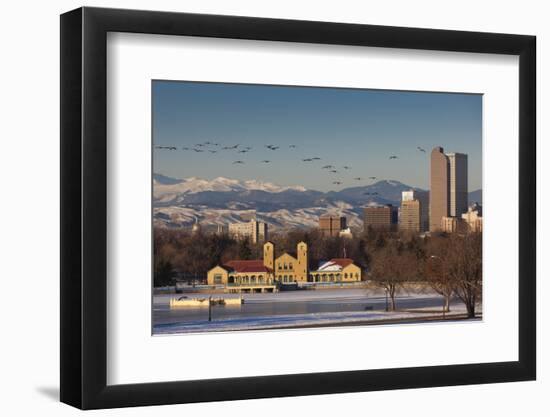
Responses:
[178,202]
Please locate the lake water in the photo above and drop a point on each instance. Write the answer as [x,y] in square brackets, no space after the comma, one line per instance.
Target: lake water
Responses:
[287,303]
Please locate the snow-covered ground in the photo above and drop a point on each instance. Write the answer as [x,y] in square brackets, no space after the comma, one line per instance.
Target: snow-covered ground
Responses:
[298,309]
[300,320]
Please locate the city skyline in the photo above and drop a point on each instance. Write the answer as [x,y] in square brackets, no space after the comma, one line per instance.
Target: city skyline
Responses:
[300,130]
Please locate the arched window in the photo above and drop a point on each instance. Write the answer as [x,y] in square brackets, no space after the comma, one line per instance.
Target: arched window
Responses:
[346,275]
[290,265]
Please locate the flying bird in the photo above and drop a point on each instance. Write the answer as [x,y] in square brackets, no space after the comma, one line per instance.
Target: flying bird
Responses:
[265,161]
[372,178]
[333,171]
[393,157]
[316,159]
[291,146]
[198,150]
[421,149]
[231,147]
[358,178]
[337,182]
[346,167]
[327,167]
[212,151]
[307,160]
[243,151]
[238,162]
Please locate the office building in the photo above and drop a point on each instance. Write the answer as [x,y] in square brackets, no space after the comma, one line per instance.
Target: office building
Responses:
[473,218]
[380,217]
[458,184]
[253,230]
[448,186]
[332,225]
[410,216]
[414,215]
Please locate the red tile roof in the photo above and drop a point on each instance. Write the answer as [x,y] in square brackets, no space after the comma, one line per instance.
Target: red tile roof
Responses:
[256,265]
[343,262]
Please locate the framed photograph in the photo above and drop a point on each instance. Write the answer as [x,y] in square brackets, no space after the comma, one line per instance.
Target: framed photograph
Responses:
[259,208]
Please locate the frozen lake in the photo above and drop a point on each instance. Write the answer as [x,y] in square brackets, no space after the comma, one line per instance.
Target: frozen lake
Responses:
[287,308]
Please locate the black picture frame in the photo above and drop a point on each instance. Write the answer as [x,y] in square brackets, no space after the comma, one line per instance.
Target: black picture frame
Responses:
[84,207]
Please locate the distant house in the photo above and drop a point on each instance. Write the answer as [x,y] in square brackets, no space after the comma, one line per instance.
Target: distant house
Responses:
[336,270]
[241,273]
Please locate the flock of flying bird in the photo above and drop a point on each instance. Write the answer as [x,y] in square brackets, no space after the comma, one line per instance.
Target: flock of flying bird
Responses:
[213,147]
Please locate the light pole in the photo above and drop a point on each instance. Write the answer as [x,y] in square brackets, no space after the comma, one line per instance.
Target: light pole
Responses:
[210,308]
[387,308]
[444,297]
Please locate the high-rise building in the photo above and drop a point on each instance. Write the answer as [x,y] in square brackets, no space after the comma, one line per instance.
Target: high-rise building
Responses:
[254,230]
[380,217]
[473,218]
[458,184]
[411,213]
[410,216]
[439,187]
[448,186]
[331,225]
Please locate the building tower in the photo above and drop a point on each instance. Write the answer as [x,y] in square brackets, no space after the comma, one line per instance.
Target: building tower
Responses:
[196,229]
[269,255]
[415,209]
[439,187]
[302,270]
[458,184]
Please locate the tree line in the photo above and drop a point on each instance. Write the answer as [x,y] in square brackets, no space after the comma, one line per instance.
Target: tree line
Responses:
[451,264]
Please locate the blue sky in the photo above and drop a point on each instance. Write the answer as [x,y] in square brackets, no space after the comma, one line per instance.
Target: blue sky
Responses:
[357,128]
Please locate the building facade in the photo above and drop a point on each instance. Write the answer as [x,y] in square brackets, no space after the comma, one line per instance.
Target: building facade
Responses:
[439,187]
[336,270]
[458,184]
[473,218]
[380,217]
[410,216]
[414,215]
[253,230]
[331,225]
[448,186]
[265,275]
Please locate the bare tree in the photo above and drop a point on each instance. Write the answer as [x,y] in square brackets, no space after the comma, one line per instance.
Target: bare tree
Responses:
[391,267]
[464,265]
[436,272]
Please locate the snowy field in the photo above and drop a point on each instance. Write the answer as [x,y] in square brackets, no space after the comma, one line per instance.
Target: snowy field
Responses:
[299,309]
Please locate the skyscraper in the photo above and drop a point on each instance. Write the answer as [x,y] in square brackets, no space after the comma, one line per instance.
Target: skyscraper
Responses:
[380,217]
[254,230]
[410,211]
[331,225]
[448,186]
[458,184]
